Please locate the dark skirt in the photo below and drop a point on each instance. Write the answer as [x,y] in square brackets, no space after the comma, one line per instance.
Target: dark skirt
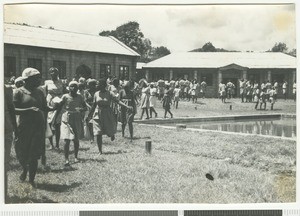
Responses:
[104,122]
[30,144]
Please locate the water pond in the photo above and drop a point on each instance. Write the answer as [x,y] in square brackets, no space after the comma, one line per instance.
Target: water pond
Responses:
[280,127]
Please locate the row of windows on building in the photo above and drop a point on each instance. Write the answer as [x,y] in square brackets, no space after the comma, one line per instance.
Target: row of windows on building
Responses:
[105,69]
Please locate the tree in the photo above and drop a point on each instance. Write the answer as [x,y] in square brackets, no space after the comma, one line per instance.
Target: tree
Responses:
[208,47]
[158,52]
[131,35]
[279,47]
[293,52]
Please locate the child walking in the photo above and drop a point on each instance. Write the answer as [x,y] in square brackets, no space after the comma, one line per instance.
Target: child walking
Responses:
[272,98]
[262,98]
[127,115]
[256,98]
[176,94]
[152,100]
[72,123]
[167,101]
[104,122]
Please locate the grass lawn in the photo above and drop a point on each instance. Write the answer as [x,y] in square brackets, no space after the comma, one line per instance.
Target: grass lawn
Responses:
[252,169]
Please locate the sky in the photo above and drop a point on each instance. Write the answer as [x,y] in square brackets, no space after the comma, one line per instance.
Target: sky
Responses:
[180,28]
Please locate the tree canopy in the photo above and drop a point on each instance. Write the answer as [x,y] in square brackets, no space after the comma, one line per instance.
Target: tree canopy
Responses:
[209,47]
[279,47]
[131,35]
[282,47]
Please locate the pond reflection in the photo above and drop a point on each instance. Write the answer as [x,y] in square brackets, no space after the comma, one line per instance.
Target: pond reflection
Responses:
[277,127]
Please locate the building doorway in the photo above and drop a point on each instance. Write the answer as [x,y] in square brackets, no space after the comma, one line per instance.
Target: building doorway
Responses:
[83,71]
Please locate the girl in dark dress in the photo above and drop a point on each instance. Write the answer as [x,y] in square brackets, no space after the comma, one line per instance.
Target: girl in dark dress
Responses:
[104,121]
[30,103]
[167,101]
[127,115]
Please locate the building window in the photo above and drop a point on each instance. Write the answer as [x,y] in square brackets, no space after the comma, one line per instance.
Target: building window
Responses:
[62,67]
[35,63]
[208,79]
[124,72]
[278,77]
[105,70]
[9,66]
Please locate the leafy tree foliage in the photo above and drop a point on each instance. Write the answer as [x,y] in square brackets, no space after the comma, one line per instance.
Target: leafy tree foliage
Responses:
[131,35]
[282,47]
[293,52]
[279,47]
[209,47]
[158,52]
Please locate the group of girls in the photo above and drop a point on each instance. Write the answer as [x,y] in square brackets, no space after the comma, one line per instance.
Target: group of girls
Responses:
[58,109]
[149,94]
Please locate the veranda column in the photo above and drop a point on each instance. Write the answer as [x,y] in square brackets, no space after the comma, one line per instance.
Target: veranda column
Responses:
[96,72]
[269,77]
[48,64]
[147,75]
[293,76]
[171,74]
[195,74]
[114,70]
[219,76]
[244,76]
[22,62]
[72,72]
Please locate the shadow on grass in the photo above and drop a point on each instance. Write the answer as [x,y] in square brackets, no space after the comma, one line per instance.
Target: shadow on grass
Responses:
[92,160]
[276,110]
[114,153]
[57,188]
[16,199]
[84,149]
[137,138]
[60,170]
[200,103]
[14,166]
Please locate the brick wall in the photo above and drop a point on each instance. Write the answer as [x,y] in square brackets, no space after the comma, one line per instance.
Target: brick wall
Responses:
[72,58]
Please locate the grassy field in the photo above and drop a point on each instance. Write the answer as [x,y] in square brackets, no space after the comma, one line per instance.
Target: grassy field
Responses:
[252,169]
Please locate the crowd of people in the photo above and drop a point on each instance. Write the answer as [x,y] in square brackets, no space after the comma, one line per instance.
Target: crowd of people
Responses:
[70,111]
[90,108]
[260,94]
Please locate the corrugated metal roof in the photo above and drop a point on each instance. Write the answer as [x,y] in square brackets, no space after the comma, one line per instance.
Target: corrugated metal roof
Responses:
[51,38]
[139,65]
[221,59]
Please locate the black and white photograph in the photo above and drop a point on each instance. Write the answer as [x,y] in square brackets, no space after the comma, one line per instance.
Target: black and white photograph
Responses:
[149,103]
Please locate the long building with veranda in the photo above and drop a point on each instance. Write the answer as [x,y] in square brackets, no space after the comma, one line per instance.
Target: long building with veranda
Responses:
[215,67]
[74,54]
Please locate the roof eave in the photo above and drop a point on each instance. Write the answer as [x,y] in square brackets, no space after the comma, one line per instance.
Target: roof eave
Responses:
[125,46]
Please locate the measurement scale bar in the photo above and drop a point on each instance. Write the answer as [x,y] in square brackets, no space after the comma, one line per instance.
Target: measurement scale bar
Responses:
[276,212]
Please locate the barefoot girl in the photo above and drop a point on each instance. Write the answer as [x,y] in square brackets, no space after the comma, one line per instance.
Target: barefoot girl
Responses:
[103,118]
[72,123]
[127,115]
